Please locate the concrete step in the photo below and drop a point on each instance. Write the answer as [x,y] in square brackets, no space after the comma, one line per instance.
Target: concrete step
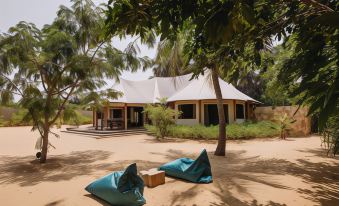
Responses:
[104,131]
[119,133]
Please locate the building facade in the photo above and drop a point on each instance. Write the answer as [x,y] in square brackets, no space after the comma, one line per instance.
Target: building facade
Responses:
[195,99]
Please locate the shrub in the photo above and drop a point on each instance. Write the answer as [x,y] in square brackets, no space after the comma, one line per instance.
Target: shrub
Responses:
[79,118]
[330,135]
[161,117]
[249,130]
[15,116]
[245,130]
[18,118]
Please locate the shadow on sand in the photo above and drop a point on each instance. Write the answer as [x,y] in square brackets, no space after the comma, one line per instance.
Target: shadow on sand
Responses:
[26,171]
[233,171]
[229,173]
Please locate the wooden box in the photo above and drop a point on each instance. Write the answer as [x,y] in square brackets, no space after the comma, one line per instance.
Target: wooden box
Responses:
[153,177]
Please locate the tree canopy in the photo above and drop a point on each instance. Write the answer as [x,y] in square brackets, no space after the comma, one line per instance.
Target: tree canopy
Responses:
[46,67]
[229,36]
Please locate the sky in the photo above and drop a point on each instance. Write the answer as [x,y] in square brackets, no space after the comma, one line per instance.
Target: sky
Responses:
[41,12]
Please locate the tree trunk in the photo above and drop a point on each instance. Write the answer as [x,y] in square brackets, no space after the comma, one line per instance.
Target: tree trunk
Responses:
[221,147]
[44,149]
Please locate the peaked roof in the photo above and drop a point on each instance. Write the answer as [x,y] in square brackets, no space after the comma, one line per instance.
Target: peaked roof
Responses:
[175,89]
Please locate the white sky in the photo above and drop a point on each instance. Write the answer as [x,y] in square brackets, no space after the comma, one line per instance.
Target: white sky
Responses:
[42,12]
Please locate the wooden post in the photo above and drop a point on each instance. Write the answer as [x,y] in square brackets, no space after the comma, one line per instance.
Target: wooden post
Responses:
[143,116]
[246,110]
[235,110]
[93,117]
[102,120]
[199,109]
[125,116]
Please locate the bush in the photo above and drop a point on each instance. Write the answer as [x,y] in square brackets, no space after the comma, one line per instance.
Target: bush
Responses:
[330,135]
[249,130]
[17,118]
[79,119]
[14,116]
[161,117]
[245,130]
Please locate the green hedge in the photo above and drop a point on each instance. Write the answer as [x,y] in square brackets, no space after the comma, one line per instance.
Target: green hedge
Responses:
[245,130]
[10,117]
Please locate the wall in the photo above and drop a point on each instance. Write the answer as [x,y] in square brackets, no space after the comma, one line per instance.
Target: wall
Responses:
[302,126]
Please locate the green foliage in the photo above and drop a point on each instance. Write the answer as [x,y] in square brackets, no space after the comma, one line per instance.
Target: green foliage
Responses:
[17,116]
[311,71]
[48,67]
[81,119]
[3,122]
[162,117]
[217,29]
[284,124]
[275,92]
[231,34]
[330,135]
[245,130]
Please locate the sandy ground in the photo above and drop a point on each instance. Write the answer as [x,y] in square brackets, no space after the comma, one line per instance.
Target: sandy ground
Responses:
[256,172]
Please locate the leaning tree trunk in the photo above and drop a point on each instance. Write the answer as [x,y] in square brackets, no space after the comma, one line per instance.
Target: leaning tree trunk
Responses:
[221,147]
[44,149]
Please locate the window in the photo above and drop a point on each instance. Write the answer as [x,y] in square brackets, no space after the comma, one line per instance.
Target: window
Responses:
[116,113]
[187,111]
[240,111]
[211,115]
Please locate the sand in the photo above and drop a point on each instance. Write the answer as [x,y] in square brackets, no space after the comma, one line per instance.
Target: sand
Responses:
[255,172]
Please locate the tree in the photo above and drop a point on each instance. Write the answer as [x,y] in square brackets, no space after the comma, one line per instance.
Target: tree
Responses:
[311,31]
[311,35]
[170,60]
[47,67]
[251,83]
[216,40]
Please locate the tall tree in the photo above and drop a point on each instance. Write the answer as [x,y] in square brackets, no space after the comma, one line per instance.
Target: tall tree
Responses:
[46,67]
[221,30]
[170,58]
[311,35]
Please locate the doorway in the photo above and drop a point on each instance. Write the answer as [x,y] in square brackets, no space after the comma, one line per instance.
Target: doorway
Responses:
[211,116]
[135,117]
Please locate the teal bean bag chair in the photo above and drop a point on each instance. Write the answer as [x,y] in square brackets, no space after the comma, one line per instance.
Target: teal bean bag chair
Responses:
[120,188]
[197,171]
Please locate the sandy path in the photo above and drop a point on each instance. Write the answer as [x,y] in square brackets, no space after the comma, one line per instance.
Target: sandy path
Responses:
[255,172]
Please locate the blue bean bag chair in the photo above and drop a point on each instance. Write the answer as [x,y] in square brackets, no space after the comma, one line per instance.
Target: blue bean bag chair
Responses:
[197,171]
[123,188]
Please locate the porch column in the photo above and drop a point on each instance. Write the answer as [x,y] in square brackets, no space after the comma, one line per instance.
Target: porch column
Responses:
[199,109]
[246,111]
[105,117]
[144,116]
[93,117]
[235,110]
[125,116]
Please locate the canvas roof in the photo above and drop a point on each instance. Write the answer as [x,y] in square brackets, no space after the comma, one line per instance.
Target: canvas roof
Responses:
[175,89]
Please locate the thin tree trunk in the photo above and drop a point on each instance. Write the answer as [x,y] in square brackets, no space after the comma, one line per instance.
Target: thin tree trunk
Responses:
[46,126]
[44,149]
[221,147]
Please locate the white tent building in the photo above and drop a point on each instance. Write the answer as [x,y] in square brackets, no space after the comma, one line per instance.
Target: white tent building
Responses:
[194,98]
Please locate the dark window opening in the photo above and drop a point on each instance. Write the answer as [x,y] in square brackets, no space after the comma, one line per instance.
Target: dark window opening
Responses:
[187,111]
[116,113]
[240,111]
[99,115]
[211,116]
